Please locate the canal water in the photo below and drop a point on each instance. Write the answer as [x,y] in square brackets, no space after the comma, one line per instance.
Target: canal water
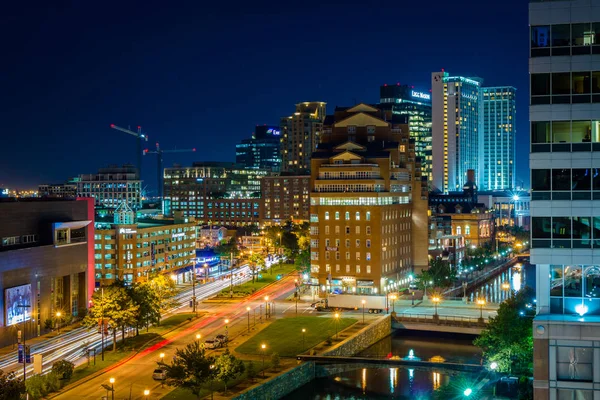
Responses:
[401,382]
[518,276]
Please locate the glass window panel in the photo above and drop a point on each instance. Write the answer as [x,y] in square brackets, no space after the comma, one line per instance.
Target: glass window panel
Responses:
[572,283]
[574,364]
[540,36]
[595,33]
[556,280]
[540,84]
[581,34]
[561,35]
[540,132]
[581,179]
[581,131]
[540,179]
[575,394]
[595,131]
[541,227]
[561,228]
[595,81]
[561,179]
[591,288]
[561,83]
[596,178]
[581,82]
[582,228]
[561,131]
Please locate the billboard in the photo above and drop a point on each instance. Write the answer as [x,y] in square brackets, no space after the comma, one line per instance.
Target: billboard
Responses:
[14,299]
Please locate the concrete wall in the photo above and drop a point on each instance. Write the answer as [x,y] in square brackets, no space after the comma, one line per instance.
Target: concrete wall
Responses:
[282,384]
[364,338]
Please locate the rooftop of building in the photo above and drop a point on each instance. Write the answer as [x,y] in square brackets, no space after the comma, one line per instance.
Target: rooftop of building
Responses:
[34,199]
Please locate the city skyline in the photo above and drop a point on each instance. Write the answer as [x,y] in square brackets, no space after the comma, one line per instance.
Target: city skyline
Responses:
[146,70]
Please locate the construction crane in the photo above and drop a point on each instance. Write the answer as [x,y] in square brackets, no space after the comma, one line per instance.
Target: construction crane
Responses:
[159,163]
[140,137]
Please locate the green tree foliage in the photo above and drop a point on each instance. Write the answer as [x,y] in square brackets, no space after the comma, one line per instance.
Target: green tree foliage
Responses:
[63,368]
[10,387]
[190,369]
[228,367]
[302,261]
[508,337]
[116,307]
[226,247]
[165,290]
[275,361]
[251,371]
[146,297]
[440,273]
[257,261]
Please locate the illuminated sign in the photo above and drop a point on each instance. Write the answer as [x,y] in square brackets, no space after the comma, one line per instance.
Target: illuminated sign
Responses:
[273,131]
[127,230]
[17,303]
[176,235]
[420,95]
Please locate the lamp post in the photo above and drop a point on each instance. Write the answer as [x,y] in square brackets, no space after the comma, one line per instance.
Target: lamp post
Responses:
[481,303]
[303,337]
[506,287]
[248,311]
[212,366]
[226,332]
[112,387]
[425,292]
[266,307]
[161,357]
[194,289]
[336,316]
[296,285]
[198,336]
[436,300]
[263,348]
[58,315]
[394,297]
[363,304]
[22,306]
[146,393]
[205,272]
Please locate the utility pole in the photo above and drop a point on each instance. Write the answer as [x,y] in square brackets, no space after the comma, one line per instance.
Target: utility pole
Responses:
[102,320]
[231,274]
[24,352]
[194,288]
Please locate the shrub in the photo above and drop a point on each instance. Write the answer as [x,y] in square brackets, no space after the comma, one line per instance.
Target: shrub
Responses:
[63,369]
[36,386]
[53,383]
[251,371]
[275,361]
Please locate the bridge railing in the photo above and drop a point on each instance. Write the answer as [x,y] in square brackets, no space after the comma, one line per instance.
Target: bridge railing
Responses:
[441,319]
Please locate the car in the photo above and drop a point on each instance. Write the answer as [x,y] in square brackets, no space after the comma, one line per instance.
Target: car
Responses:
[221,339]
[212,344]
[159,374]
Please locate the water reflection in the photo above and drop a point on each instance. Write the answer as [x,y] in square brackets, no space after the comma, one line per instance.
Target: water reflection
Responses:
[496,290]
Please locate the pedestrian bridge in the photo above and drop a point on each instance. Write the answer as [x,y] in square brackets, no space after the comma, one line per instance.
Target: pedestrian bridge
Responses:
[438,323]
[334,365]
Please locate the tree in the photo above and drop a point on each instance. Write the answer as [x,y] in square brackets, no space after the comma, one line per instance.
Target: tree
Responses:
[302,261]
[165,290]
[257,261]
[275,361]
[440,273]
[228,367]
[63,368]
[11,387]
[191,368]
[251,371]
[148,301]
[508,337]
[116,307]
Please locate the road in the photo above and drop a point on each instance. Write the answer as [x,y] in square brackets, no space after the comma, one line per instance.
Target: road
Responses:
[135,375]
[69,346]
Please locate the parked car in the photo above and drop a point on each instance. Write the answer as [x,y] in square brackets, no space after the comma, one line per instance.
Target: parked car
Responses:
[221,339]
[159,374]
[212,344]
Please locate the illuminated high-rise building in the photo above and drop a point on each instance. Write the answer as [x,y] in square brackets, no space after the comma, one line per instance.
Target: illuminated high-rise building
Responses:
[497,166]
[300,133]
[262,151]
[405,100]
[456,129]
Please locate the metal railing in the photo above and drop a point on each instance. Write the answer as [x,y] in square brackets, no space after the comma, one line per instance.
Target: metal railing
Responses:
[440,319]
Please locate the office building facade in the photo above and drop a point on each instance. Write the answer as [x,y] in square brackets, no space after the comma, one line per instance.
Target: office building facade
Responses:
[499,135]
[300,134]
[46,262]
[405,100]
[285,198]
[60,190]
[262,151]
[217,193]
[456,127]
[564,67]
[367,215]
[111,186]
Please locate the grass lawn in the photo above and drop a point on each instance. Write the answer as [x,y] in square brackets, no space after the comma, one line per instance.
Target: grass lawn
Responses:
[135,343]
[217,386]
[284,336]
[268,276]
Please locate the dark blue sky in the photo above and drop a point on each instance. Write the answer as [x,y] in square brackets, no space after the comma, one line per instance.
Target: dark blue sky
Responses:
[202,74]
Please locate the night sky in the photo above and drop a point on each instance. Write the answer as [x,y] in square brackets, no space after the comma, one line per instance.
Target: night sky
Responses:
[202,74]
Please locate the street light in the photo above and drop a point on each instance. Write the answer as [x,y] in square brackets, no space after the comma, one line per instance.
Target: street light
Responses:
[198,336]
[58,315]
[112,387]
[481,303]
[226,332]
[436,300]
[174,278]
[363,303]
[248,310]
[468,392]
[266,306]
[205,272]
[336,316]
[297,294]
[494,366]
[394,297]
[146,393]
[161,356]
[303,337]
[263,348]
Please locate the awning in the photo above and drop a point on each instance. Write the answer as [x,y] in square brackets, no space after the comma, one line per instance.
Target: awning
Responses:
[71,224]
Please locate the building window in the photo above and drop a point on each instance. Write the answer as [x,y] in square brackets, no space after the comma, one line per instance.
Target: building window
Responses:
[467,229]
[337,229]
[327,255]
[357,242]
[368,243]
[347,269]
[347,255]
[368,269]
[326,215]
[347,230]
[337,215]
[347,242]
[574,363]
[347,216]
[458,230]
[357,269]
[368,216]
[368,230]
[30,239]
[358,256]
[368,256]
[577,394]
[358,216]
[337,255]
[327,229]
[357,230]
[337,267]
